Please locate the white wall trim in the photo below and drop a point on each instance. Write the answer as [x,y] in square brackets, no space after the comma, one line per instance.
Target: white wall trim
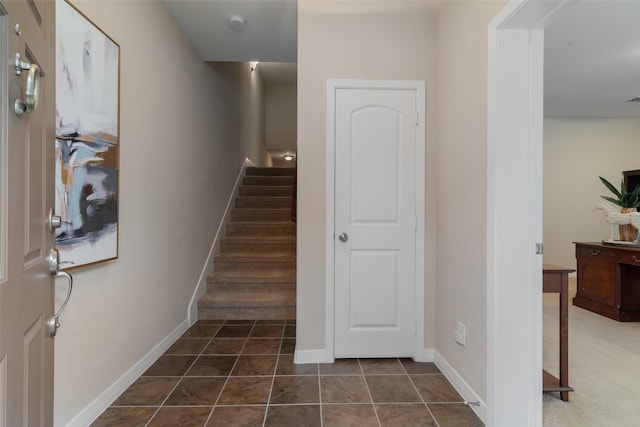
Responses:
[323,356]
[464,389]
[514,201]
[90,413]
[201,285]
[419,86]
[425,355]
[312,356]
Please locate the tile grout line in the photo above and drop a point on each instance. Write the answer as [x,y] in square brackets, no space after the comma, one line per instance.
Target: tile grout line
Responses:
[420,395]
[366,383]
[273,378]
[319,394]
[226,381]
[183,375]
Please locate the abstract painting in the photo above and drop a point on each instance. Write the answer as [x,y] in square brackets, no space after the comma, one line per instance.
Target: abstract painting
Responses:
[87,142]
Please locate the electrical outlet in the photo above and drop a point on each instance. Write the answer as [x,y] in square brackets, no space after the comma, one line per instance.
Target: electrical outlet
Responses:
[460,334]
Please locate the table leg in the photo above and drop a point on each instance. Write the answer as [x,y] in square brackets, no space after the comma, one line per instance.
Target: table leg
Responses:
[564,336]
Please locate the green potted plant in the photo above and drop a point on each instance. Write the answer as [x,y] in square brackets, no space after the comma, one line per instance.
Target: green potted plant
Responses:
[628,202]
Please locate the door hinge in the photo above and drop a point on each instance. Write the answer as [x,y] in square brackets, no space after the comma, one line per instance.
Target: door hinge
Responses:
[417,118]
[538,248]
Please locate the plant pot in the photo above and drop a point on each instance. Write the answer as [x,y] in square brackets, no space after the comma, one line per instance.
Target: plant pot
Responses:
[628,232]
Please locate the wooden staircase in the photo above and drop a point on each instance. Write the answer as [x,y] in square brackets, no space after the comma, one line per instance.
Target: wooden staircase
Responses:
[255,272]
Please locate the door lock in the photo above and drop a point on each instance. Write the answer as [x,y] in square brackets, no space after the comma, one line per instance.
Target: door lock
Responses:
[53,259]
[55,221]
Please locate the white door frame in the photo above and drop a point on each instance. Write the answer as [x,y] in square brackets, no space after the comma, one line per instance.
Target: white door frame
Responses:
[514,220]
[419,87]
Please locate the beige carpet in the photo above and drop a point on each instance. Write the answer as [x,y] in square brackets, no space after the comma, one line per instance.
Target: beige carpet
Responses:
[604,368]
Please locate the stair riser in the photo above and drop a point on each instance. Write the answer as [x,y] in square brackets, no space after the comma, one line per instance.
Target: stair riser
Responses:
[234,230]
[274,258]
[257,215]
[247,313]
[255,274]
[265,191]
[220,267]
[287,277]
[251,287]
[258,248]
[266,171]
[267,180]
[264,202]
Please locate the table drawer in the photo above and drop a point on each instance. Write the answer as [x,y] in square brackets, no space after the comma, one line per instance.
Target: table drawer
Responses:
[628,257]
[596,252]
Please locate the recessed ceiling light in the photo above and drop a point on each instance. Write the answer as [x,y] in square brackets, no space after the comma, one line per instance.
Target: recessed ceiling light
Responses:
[236,22]
[288,157]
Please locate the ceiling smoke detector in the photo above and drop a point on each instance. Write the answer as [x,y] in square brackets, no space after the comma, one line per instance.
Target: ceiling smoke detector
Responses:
[236,22]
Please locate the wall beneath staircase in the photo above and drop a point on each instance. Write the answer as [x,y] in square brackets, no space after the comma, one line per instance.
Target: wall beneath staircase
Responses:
[182,146]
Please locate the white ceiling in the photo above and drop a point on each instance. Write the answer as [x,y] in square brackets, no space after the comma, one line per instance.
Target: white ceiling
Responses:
[592,52]
[270,33]
[592,60]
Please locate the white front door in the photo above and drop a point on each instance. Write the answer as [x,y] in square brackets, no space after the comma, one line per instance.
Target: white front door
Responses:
[375,222]
[26,194]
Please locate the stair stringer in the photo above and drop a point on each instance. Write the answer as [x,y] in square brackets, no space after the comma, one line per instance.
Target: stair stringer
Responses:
[201,285]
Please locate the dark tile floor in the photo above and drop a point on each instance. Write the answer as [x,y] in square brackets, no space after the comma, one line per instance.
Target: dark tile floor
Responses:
[241,373]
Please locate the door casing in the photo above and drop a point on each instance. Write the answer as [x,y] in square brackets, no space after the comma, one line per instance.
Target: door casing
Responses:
[514,154]
[420,354]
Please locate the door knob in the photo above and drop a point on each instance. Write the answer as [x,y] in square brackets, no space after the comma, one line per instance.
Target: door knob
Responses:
[343,237]
[55,221]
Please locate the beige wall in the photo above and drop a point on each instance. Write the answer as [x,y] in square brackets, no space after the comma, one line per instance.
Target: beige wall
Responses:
[182,146]
[256,119]
[576,152]
[404,40]
[280,106]
[389,40]
[461,176]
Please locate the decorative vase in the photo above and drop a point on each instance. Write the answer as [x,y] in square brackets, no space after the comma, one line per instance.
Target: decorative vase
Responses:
[628,232]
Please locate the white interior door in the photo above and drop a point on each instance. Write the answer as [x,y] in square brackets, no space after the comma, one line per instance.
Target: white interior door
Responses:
[375,222]
[26,194]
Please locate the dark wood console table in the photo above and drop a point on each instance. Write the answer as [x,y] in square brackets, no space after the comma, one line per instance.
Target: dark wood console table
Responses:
[556,279]
[609,280]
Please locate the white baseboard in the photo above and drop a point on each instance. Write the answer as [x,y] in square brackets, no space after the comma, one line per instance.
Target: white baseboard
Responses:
[467,393]
[426,355]
[201,286]
[107,397]
[321,356]
[311,356]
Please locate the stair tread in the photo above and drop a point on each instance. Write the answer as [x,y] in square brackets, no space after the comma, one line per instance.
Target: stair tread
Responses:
[256,256]
[222,279]
[264,223]
[254,272]
[248,299]
[269,171]
[263,197]
[246,274]
[265,239]
[259,210]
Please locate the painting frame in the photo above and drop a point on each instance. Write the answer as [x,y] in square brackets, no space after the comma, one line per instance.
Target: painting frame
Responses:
[87,145]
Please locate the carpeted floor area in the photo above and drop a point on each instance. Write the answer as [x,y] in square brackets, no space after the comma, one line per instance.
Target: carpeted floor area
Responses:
[604,368]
